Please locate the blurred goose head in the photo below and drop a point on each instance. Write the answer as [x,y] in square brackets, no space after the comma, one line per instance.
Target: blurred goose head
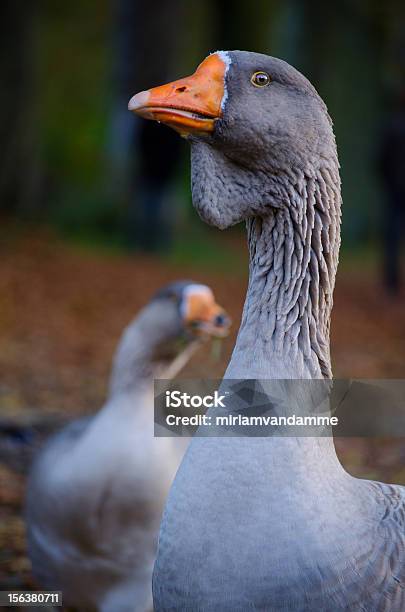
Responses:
[198,313]
[166,333]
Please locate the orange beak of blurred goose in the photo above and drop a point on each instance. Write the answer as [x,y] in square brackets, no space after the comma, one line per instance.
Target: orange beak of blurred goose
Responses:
[189,105]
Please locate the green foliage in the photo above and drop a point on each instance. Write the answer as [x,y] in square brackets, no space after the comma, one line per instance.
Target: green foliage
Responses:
[205,248]
[87,216]
[74,59]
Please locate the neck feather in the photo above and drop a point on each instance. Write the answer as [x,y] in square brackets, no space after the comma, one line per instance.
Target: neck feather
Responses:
[293,260]
[151,347]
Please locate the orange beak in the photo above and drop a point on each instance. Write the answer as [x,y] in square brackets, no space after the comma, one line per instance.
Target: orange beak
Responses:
[189,105]
[201,309]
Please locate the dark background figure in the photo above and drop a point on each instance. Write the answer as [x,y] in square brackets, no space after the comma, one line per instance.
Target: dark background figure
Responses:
[391,162]
[144,156]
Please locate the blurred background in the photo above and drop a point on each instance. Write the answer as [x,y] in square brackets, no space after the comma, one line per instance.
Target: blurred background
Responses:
[95,205]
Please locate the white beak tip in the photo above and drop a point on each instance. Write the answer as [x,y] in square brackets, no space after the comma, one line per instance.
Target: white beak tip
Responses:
[138,101]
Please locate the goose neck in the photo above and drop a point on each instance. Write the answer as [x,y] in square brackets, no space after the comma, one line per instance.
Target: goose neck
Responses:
[293,258]
[152,346]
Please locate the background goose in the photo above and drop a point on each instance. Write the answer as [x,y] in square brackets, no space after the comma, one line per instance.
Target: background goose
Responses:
[97,490]
[271,523]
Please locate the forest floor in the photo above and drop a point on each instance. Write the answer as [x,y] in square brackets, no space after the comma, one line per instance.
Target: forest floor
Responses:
[63,308]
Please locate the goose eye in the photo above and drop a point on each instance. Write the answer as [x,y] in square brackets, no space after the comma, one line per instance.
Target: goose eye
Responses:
[260,79]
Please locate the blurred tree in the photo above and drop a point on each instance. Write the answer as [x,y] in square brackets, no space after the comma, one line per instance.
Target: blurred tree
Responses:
[20,167]
[391,160]
[241,25]
[144,155]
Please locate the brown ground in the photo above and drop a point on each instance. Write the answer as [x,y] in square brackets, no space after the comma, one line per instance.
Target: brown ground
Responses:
[62,310]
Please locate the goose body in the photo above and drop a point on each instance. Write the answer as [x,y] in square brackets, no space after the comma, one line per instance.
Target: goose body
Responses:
[96,492]
[94,505]
[272,523]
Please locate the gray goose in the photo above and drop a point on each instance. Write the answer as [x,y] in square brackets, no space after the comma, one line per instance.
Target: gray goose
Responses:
[96,492]
[271,523]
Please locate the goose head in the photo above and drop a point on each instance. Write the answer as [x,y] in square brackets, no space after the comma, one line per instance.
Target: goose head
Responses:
[252,121]
[263,151]
[194,311]
[165,334]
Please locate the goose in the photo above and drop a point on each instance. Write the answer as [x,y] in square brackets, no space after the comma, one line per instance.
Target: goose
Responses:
[96,491]
[271,523]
